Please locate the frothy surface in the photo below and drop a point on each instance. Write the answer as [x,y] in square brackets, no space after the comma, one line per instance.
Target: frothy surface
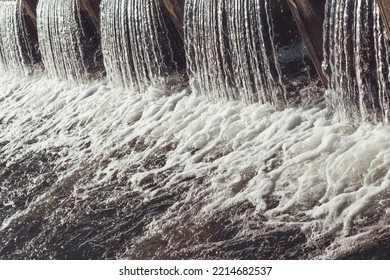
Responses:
[90,171]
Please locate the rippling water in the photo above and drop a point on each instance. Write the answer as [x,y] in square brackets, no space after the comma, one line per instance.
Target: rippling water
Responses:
[92,171]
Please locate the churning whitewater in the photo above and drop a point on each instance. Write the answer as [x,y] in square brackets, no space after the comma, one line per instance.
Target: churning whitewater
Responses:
[143,129]
[91,171]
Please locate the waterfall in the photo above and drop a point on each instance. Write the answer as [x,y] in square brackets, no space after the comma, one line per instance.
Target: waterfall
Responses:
[140,45]
[356,60]
[89,171]
[245,50]
[18,49]
[68,40]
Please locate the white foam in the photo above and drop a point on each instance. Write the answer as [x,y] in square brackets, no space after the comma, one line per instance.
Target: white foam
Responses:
[327,176]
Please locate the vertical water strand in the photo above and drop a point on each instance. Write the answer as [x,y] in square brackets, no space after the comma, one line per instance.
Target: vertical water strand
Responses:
[361,56]
[74,46]
[243,50]
[144,51]
[205,30]
[163,66]
[279,93]
[57,67]
[27,38]
[263,82]
[345,44]
[210,50]
[48,41]
[141,32]
[79,32]
[238,49]
[256,81]
[207,42]
[382,49]
[68,40]
[151,42]
[115,42]
[160,41]
[327,62]
[14,56]
[356,60]
[251,95]
[123,46]
[365,65]
[346,52]
[212,86]
[43,23]
[192,39]
[259,51]
[107,13]
[172,48]
[189,37]
[11,37]
[257,86]
[213,58]
[3,66]
[336,50]
[224,52]
[198,33]
[54,30]
[344,62]
[135,37]
[159,65]
[8,38]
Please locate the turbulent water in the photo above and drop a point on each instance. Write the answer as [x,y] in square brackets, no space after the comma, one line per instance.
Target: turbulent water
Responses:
[90,169]
[357,60]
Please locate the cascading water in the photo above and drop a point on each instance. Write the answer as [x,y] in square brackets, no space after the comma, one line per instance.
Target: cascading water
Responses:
[140,45]
[246,50]
[356,60]
[90,171]
[18,49]
[69,41]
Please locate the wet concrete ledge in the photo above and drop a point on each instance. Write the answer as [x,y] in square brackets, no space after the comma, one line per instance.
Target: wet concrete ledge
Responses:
[384,6]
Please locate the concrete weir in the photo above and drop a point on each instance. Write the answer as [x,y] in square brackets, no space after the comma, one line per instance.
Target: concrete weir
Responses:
[384,6]
[309,16]
[69,37]
[176,11]
[18,35]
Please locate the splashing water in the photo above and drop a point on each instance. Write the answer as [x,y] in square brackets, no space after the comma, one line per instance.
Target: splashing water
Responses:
[68,40]
[141,46]
[246,50]
[357,60]
[91,171]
